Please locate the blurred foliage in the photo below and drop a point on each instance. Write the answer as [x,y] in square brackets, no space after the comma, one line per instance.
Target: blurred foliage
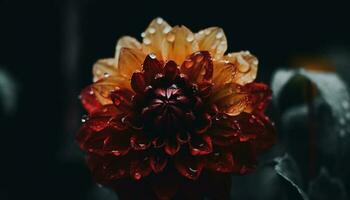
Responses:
[8,93]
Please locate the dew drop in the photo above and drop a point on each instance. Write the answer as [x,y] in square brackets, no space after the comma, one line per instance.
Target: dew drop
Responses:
[170,37]
[137,175]
[106,74]
[188,64]
[190,38]
[166,29]
[116,153]
[84,118]
[207,31]
[192,172]
[201,32]
[152,55]
[98,72]
[147,41]
[91,92]
[143,34]
[219,35]
[159,20]
[151,30]
[342,121]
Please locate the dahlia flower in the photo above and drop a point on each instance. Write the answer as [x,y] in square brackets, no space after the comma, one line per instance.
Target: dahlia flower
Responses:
[176,100]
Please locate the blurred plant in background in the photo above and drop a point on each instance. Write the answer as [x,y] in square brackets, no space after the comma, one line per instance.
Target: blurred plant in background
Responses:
[312,114]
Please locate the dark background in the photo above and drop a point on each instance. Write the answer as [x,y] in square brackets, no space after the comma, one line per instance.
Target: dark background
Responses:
[48,48]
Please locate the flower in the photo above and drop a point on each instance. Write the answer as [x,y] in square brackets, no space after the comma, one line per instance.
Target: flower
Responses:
[174,101]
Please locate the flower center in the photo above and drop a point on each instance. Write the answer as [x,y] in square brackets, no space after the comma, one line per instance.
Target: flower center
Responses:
[168,109]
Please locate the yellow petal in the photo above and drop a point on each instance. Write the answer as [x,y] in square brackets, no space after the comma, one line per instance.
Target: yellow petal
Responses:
[246,64]
[180,43]
[130,60]
[126,42]
[231,99]
[223,73]
[103,87]
[154,37]
[103,68]
[212,39]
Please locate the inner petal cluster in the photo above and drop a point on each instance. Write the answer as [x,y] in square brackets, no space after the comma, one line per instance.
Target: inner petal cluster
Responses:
[168,107]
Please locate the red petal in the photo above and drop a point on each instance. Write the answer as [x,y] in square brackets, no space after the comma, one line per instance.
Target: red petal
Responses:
[220,161]
[200,145]
[198,66]
[171,70]
[140,142]
[172,146]
[204,89]
[259,95]
[89,100]
[106,168]
[158,142]
[122,99]
[140,166]
[189,166]
[151,67]
[183,137]
[203,124]
[158,162]
[117,144]
[138,82]
[107,141]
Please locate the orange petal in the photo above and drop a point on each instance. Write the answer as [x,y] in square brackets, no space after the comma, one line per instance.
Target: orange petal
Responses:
[231,99]
[126,42]
[246,67]
[198,67]
[130,60]
[180,42]
[154,37]
[212,39]
[223,73]
[103,68]
[103,87]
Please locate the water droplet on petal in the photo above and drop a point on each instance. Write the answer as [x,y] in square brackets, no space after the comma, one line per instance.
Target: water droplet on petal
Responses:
[219,35]
[207,31]
[170,37]
[143,34]
[146,41]
[166,29]
[91,92]
[151,30]
[106,74]
[190,38]
[84,118]
[137,175]
[159,20]
[116,153]
[152,55]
